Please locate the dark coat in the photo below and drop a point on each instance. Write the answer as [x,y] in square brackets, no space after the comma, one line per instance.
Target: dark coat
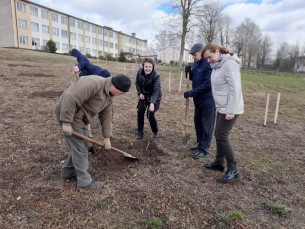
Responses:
[201,84]
[149,86]
[86,68]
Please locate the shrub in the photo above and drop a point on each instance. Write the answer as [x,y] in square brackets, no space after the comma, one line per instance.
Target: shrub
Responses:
[153,223]
[227,218]
[51,46]
[278,208]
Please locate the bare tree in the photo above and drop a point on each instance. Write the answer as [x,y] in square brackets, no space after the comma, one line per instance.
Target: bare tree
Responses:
[264,52]
[247,40]
[180,20]
[213,25]
[225,30]
[281,55]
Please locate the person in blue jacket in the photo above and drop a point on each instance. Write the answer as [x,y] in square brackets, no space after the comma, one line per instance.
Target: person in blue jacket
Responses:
[85,68]
[204,115]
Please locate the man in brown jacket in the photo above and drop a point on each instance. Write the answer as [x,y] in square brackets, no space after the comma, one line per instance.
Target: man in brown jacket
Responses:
[75,109]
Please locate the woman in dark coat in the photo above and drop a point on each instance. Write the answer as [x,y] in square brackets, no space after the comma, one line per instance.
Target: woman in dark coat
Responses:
[149,91]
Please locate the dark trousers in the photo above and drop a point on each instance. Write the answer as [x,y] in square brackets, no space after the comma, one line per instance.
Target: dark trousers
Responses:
[223,144]
[204,119]
[143,105]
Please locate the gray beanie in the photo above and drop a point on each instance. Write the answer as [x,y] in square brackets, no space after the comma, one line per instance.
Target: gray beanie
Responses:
[121,82]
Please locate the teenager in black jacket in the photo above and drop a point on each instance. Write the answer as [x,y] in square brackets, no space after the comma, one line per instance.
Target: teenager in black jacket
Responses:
[149,91]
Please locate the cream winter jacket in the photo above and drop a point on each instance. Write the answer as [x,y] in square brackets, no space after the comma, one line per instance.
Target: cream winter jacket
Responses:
[226,85]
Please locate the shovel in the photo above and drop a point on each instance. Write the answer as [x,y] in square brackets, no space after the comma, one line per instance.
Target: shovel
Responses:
[186,137]
[100,144]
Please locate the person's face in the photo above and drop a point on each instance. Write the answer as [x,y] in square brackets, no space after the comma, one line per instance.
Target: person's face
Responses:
[196,56]
[148,67]
[212,57]
[114,91]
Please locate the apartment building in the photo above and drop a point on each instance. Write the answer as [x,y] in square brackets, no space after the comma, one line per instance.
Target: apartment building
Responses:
[28,25]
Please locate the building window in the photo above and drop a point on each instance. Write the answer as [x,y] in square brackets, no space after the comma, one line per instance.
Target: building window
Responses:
[100,31]
[36,42]
[55,31]
[100,42]
[94,41]
[110,34]
[93,52]
[57,45]
[64,47]
[88,51]
[106,43]
[34,11]
[45,29]
[110,44]
[23,40]
[79,25]
[72,36]
[93,29]
[87,27]
[35,27]
[81,49]
[22,24]
[64,33]
[64,20]
[44,14]
[21,7]
[54,17]
[105,32]
[87,39]
[80,37]
[72,22]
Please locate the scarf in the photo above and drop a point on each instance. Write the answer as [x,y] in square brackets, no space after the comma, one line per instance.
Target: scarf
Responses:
[216,65]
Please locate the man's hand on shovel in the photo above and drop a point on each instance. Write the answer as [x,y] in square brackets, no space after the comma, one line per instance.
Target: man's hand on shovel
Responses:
[106,142]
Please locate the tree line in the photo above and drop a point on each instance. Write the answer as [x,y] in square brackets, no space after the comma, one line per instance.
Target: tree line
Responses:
[192,21]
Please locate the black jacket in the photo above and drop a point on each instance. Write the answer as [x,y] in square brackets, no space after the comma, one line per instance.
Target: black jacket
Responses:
[149,86]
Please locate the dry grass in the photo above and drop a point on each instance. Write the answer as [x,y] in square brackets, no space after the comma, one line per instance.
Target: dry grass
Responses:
[166,186]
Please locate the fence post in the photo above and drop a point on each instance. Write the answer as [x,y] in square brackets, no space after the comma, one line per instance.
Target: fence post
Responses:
[266,112]
[277,107]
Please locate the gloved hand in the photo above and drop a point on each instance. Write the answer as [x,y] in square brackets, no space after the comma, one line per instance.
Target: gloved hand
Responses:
[186,94]
[106,142]
[67,128]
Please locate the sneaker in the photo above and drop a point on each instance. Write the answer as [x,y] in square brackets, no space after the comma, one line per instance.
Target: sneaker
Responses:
[92,185]
[139,135]
[156,134]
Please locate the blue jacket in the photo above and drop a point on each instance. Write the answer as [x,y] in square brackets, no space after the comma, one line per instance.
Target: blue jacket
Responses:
[201,84]
[86,68]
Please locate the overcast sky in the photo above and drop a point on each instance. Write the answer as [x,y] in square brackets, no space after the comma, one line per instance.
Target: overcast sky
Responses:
[282,20]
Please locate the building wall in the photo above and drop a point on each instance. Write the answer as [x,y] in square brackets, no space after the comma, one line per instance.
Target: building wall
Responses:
[31,25]
[7,29]
[172,53]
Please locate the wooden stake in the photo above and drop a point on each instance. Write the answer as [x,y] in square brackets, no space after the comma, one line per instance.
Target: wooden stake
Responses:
[266,112]
[169,81]
[277,106]
[180,81]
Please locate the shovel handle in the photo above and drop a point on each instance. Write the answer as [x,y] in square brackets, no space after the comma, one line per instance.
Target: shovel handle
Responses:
[99,144]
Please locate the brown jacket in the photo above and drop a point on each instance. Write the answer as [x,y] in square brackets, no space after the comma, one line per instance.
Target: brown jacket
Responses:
[83,100]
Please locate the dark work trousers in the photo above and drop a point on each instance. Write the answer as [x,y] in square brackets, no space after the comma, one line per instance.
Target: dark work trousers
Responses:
[143,105]
[224,149]
[204,119]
